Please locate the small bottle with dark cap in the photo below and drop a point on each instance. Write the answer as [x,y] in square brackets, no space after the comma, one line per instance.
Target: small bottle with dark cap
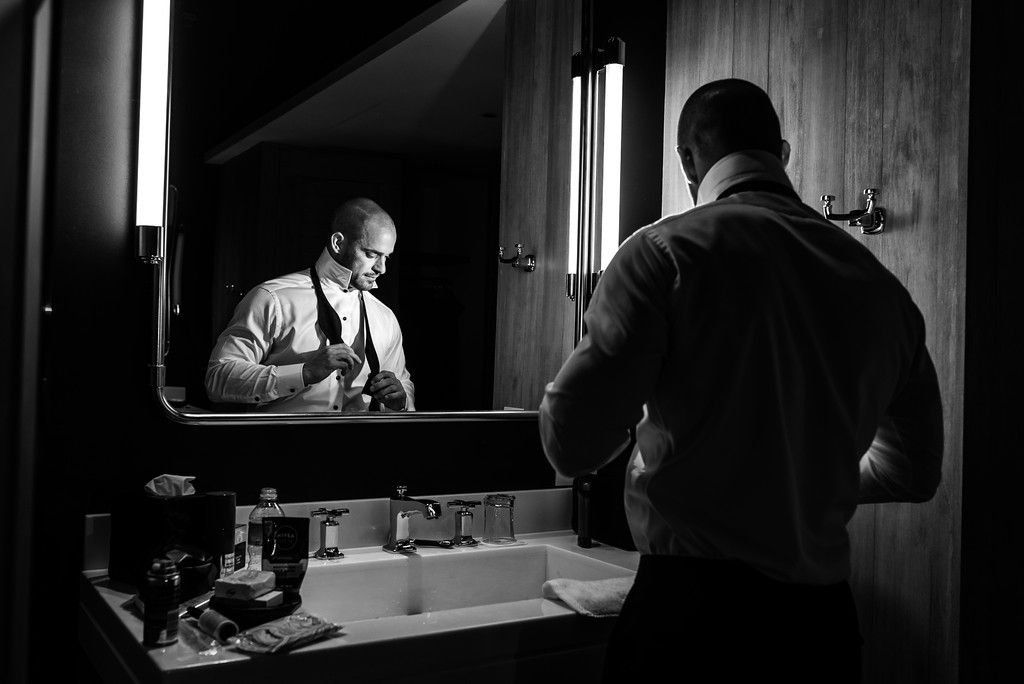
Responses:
[161,596]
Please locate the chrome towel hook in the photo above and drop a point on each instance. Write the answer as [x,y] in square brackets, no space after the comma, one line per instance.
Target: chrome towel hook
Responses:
[870,219]
[528,263]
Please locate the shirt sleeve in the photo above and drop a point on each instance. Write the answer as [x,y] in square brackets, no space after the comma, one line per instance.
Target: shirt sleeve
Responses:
[236,372]
[904,461]
[600,391]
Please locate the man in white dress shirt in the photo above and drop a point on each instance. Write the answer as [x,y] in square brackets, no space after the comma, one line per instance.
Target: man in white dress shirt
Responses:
[777,376]
[309,342]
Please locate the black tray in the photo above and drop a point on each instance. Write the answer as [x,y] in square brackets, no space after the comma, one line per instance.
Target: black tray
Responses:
[250,617]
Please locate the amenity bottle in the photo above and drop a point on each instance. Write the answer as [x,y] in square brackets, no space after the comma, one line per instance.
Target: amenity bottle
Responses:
[266,507]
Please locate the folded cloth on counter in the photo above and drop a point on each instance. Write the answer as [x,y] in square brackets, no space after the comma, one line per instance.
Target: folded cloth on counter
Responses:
[595,598]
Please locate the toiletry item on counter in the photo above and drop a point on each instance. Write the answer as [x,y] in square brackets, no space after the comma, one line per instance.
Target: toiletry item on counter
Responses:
[160,595]
[271,599]
[215,624]
[198,569]
[241,536]
[249,598]
[244,585]
[286,550]
[286,633]
[266,507]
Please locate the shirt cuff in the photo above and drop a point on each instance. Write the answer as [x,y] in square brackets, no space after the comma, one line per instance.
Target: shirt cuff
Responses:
[289,380]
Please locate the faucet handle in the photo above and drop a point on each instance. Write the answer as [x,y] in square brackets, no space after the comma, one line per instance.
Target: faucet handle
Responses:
[330,532]
[400,490]
[870,192]
[329,513]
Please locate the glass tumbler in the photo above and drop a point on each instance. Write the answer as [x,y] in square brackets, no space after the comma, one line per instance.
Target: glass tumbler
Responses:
[499,527]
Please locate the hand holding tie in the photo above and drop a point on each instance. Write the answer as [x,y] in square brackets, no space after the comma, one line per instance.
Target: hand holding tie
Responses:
[323,362]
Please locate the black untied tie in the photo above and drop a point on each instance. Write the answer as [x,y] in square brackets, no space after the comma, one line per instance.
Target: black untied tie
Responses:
[370,353]
[330,323]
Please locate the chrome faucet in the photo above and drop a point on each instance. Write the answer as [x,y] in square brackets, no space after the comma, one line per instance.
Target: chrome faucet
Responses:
[402,507]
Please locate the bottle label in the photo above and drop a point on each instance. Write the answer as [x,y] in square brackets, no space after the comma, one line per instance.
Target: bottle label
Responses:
[256,533]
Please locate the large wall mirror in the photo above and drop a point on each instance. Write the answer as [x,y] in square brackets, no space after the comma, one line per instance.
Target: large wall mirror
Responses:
[453,115]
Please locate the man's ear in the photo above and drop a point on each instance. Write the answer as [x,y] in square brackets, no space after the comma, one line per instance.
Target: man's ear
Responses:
[688,165]
[784,151]
[337,242]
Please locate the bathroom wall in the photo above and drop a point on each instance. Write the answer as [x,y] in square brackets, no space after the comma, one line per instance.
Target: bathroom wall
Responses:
[869,94]
[535,325]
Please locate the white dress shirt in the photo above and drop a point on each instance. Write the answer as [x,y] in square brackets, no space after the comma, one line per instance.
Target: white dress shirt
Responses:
[258,359]
[775,371]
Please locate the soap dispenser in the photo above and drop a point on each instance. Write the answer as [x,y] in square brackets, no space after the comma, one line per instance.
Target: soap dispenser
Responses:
[330,532]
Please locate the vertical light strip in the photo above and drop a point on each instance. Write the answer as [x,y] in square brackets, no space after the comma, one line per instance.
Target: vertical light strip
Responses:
[151,179]
[611,159]
[574,178]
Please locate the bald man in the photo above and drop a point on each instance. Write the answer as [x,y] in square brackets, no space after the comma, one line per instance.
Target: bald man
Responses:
[776,375]
[318,340]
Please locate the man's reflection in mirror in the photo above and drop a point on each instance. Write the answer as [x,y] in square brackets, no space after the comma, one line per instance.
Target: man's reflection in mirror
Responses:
[318,340]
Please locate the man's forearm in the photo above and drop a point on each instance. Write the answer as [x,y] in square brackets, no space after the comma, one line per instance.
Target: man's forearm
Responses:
[574,442]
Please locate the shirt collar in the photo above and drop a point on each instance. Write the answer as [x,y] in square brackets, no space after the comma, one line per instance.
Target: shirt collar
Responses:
[332,272]
[740,167]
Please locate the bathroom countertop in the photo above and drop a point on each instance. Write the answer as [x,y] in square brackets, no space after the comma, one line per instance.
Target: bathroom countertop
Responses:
[454,641]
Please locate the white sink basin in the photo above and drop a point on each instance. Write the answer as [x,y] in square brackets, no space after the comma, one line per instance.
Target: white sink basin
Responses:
[385,585]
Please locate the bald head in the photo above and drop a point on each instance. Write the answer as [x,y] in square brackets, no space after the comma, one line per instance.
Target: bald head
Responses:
[355,216]
[722,117]
[362,239]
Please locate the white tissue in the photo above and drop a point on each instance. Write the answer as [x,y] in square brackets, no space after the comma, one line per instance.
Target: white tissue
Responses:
[171,485]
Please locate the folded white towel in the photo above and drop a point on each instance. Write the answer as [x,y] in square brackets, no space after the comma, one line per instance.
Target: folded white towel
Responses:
[596,598]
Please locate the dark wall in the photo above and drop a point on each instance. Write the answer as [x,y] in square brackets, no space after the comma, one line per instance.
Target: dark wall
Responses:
[992,590]
[13,49]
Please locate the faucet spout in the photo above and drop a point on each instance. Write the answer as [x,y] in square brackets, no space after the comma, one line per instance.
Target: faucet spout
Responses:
[400,507]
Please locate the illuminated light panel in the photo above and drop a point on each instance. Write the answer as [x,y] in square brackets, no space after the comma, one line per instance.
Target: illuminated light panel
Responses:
[610,89]
[574,177]
[151,180]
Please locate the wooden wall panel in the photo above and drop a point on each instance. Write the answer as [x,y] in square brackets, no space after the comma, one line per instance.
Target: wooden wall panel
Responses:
[807,63]
[922,95]
[534,327]
[869,94]
[698,49]
[751,34]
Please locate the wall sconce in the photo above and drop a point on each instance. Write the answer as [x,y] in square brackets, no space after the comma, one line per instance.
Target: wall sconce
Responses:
[608,136]
[154,102]
[595,169]
[575,165]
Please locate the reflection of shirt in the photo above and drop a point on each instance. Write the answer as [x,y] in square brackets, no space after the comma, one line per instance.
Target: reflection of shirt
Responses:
[778,373]
[258,359]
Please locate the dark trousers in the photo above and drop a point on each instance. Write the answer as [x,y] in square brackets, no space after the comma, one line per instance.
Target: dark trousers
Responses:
[693,620]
